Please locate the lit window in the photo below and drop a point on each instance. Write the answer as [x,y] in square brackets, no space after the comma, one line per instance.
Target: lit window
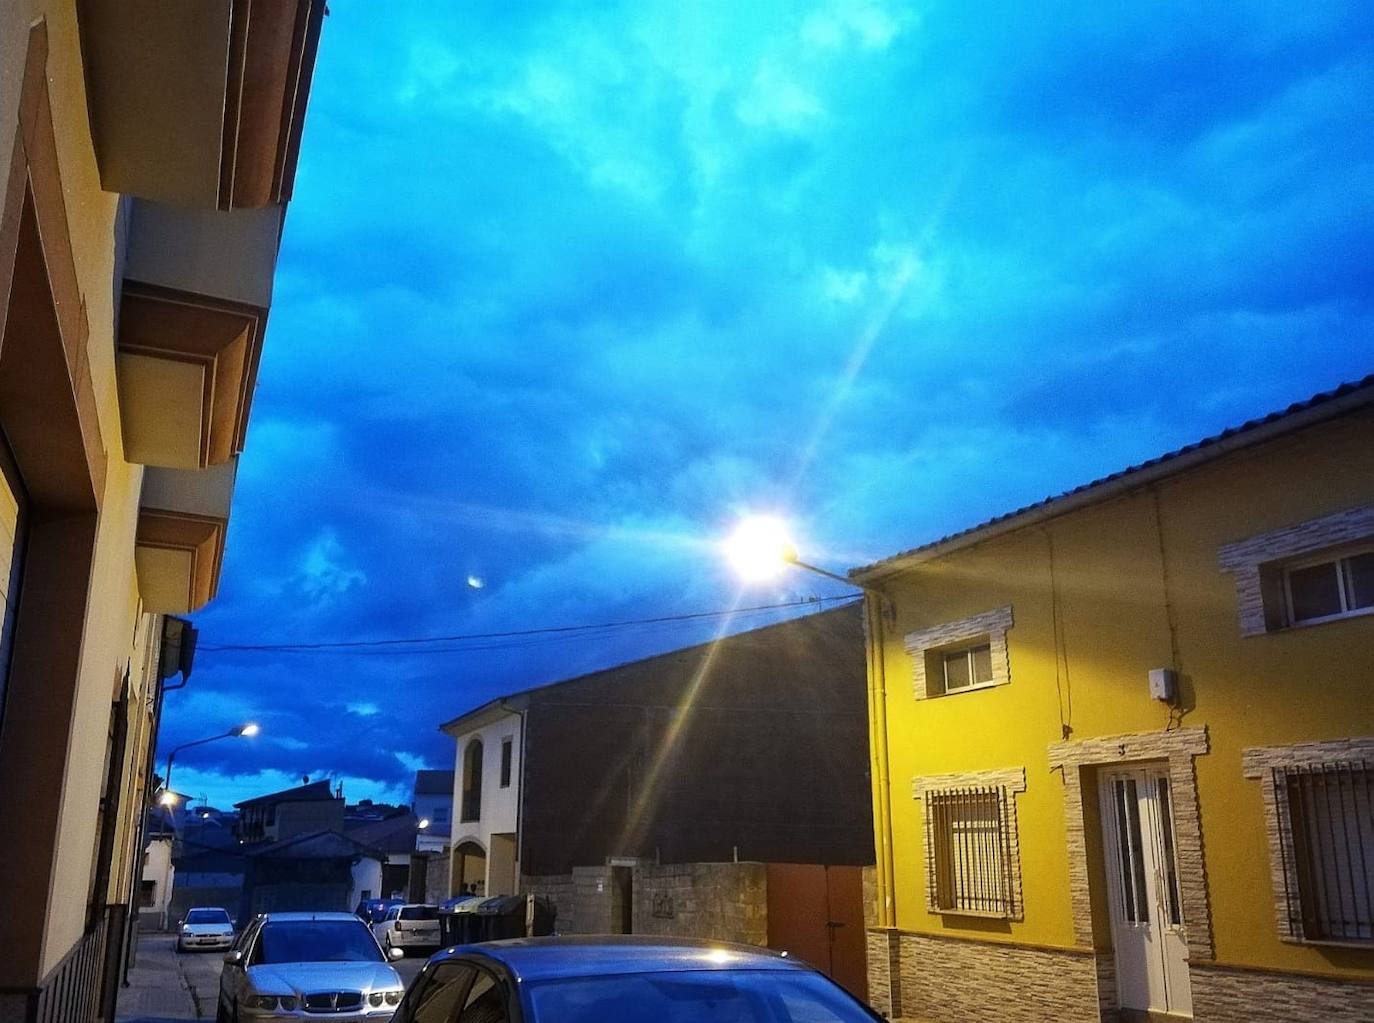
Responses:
[1331,588]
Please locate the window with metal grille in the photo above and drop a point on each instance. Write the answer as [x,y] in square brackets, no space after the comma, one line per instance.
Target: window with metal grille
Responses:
[969,836]
[1326,823]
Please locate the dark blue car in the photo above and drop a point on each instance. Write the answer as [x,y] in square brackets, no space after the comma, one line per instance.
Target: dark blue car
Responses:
[623,980]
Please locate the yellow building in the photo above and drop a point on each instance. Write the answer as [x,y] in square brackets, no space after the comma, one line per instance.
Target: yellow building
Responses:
[147,150]
[1123,742]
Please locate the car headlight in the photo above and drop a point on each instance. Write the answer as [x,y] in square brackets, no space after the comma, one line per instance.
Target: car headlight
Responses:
[287,1002]
[392,997]
[185,928]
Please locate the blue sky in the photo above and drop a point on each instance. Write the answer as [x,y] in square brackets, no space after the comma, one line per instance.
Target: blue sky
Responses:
[566,287]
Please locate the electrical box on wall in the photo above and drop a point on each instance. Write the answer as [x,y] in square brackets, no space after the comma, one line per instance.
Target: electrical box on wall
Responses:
[1163,684]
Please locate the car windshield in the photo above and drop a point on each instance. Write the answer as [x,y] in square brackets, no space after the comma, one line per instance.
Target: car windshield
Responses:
[316,941]
[207,916]
[706,996]
[420,913]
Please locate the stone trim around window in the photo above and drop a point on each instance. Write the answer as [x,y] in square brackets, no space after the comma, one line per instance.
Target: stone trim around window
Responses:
[1259,597]
[993,624]
[1265,763]
[1011,781]
[1178,748]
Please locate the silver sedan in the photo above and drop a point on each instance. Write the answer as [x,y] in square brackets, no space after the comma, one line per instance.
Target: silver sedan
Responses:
[291,966]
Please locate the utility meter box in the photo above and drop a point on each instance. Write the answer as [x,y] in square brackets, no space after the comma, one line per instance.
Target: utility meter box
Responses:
[1163,684]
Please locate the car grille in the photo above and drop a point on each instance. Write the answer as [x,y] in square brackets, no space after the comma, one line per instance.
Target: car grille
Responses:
[334,1001]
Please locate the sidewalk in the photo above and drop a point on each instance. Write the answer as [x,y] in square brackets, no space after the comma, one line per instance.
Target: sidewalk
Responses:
[157,988]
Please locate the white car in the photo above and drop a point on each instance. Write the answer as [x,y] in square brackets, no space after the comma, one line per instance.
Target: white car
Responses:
[294,966]
[205,927]
[410,926]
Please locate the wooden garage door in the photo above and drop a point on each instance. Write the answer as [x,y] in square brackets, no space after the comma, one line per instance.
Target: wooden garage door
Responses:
[816,913]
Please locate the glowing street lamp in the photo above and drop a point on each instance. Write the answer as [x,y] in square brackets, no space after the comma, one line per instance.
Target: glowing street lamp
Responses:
[761,547]
[247,730]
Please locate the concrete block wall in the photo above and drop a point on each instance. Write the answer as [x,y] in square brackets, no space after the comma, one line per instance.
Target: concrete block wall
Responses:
[559,889]
[724,901]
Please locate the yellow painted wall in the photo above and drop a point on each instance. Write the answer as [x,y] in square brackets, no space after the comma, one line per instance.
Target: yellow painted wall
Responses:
[1110,564]
[110,643]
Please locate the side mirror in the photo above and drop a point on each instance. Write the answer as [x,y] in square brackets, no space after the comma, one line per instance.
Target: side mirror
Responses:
[233,958]
[395,953]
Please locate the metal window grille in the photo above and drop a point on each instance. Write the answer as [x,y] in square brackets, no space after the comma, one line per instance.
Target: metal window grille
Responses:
[1326,823]
[971,843]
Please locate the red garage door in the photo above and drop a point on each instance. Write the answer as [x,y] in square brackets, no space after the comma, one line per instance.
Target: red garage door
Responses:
[816,912]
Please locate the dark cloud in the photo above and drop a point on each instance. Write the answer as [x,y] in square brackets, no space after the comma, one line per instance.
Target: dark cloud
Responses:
[566,287]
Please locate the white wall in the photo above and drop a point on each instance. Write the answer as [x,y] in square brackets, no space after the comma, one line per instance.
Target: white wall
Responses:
[500,806]
[367,877]
[157,867]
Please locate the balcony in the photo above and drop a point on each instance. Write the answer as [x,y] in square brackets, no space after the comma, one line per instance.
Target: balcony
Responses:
[197,285]
[179,544]
[199,102]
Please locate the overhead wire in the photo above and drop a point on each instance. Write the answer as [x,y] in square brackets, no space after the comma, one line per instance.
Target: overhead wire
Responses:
[512,638]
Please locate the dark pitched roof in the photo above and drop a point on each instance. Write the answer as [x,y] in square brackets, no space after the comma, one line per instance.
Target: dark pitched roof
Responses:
[434,783]
[1318,408]
[836,622]
[313,792]
[314,845]
[392,835]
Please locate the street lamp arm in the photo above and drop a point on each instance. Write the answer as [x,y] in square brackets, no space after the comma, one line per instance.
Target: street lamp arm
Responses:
[837,577]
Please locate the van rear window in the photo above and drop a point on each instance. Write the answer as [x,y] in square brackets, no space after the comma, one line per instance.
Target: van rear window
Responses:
[420,913]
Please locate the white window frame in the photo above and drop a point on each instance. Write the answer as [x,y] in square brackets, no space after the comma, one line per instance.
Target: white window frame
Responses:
[1259,565]
[967,651]
[1332,556]
[929,646]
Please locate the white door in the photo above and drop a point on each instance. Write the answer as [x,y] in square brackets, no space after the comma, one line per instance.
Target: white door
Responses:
[1146,907]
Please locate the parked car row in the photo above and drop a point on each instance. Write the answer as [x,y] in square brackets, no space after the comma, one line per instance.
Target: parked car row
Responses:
[292,966]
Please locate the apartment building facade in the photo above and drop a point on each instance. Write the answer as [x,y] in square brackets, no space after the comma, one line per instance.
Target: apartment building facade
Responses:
[1123,742]
[147,152]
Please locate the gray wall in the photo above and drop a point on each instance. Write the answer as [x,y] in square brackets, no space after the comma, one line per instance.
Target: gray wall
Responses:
[724,901]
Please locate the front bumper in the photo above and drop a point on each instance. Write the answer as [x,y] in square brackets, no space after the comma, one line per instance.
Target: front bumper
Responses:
[366,1016]
[203,941]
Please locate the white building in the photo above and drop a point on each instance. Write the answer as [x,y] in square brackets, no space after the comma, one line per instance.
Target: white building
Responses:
[486,800]
[155,887]
[433,802]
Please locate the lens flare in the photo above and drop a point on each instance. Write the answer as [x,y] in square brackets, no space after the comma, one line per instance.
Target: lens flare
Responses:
[760,547]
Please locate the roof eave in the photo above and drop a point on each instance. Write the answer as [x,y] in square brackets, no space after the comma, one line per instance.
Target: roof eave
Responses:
[1116,487]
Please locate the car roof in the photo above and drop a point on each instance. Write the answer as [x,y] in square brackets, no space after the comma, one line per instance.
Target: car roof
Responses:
[599,955]
[298,917]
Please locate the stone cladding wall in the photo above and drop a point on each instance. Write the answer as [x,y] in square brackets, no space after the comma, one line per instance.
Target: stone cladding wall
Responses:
[1246,559]
[956,980]
[1222,995]
[725,901]
[992,624]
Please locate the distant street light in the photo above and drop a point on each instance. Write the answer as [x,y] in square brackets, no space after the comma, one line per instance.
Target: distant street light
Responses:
[168,798]
[424,823]
[246,730]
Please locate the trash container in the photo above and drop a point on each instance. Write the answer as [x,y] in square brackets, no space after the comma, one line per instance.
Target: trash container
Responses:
[458,924]
[509,916]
